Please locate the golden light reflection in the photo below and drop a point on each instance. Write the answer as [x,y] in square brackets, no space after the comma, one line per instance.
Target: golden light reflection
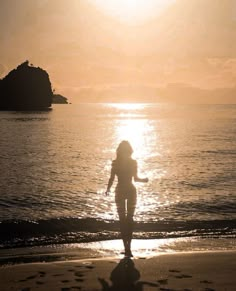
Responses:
[133,125]
[128,106]
[140,247]
[136,132]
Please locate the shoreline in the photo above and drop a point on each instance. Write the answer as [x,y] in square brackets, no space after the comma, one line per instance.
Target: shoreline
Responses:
[205,270]
[141,248]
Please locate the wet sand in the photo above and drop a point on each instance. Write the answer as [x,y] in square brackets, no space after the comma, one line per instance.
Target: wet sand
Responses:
[206,271]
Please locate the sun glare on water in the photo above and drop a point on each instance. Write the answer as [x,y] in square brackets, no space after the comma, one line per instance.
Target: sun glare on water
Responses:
[128,106]
[132,126]
[132,10]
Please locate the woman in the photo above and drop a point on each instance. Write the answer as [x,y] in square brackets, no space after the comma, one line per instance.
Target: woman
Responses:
[125,168]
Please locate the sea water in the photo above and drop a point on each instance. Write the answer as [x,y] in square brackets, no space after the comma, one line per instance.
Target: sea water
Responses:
[55,167]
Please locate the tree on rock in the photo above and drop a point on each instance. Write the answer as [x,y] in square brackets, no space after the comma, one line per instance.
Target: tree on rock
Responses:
[26,88]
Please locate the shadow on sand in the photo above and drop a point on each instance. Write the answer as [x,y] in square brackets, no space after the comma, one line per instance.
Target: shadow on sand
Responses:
[125,277]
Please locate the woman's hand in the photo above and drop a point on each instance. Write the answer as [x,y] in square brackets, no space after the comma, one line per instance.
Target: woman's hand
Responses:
[141,180]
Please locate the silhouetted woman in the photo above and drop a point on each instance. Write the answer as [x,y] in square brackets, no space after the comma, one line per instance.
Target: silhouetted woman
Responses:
[125,168]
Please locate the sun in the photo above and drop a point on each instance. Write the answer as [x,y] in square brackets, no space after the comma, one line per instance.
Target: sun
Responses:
[132,10]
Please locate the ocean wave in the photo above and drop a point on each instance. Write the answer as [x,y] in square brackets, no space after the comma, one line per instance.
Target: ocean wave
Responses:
[221,152]
[19,233]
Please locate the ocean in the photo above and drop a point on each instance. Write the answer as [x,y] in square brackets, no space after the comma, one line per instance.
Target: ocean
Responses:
[55,167]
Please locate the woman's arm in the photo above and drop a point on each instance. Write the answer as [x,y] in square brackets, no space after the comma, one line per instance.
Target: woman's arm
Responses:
[142,180]
[136,177]
[111,180]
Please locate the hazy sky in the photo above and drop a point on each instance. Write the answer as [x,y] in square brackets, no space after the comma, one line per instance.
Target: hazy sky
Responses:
[88,44]
[132,11]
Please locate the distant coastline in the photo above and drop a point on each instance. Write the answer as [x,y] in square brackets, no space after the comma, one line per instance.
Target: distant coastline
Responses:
[171,93]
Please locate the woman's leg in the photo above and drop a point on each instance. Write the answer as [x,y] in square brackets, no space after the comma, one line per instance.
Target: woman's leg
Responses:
[121,210]
[131,205]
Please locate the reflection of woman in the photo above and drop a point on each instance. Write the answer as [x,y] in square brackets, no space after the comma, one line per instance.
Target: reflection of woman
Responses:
[125,168]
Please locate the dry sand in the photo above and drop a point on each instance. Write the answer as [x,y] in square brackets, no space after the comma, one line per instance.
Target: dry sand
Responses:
[204,271]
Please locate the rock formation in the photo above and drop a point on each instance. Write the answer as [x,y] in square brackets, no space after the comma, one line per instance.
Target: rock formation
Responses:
[26,88]
[59,99]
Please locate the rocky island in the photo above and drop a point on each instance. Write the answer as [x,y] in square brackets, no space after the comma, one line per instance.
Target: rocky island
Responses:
[26,88]
[59,99]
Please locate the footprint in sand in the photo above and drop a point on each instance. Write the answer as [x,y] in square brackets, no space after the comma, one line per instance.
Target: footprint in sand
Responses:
[89,267]
[79,280]
[183,276]
[174,271]
[65,281]
[31,277]
[39,282]
[28,278]
[79,274]
[206,282]
[42,274]
[163,281]
[57,275]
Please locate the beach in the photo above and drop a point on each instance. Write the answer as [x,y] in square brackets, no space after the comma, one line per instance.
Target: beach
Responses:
[117,148]
[206,271]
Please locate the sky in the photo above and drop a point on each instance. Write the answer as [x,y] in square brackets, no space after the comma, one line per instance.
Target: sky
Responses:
[132,11]
[88,44]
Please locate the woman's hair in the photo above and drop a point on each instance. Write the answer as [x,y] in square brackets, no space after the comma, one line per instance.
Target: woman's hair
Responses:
[124,150]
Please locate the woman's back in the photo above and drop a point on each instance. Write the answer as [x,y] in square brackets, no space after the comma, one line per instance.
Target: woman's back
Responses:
[125,170]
